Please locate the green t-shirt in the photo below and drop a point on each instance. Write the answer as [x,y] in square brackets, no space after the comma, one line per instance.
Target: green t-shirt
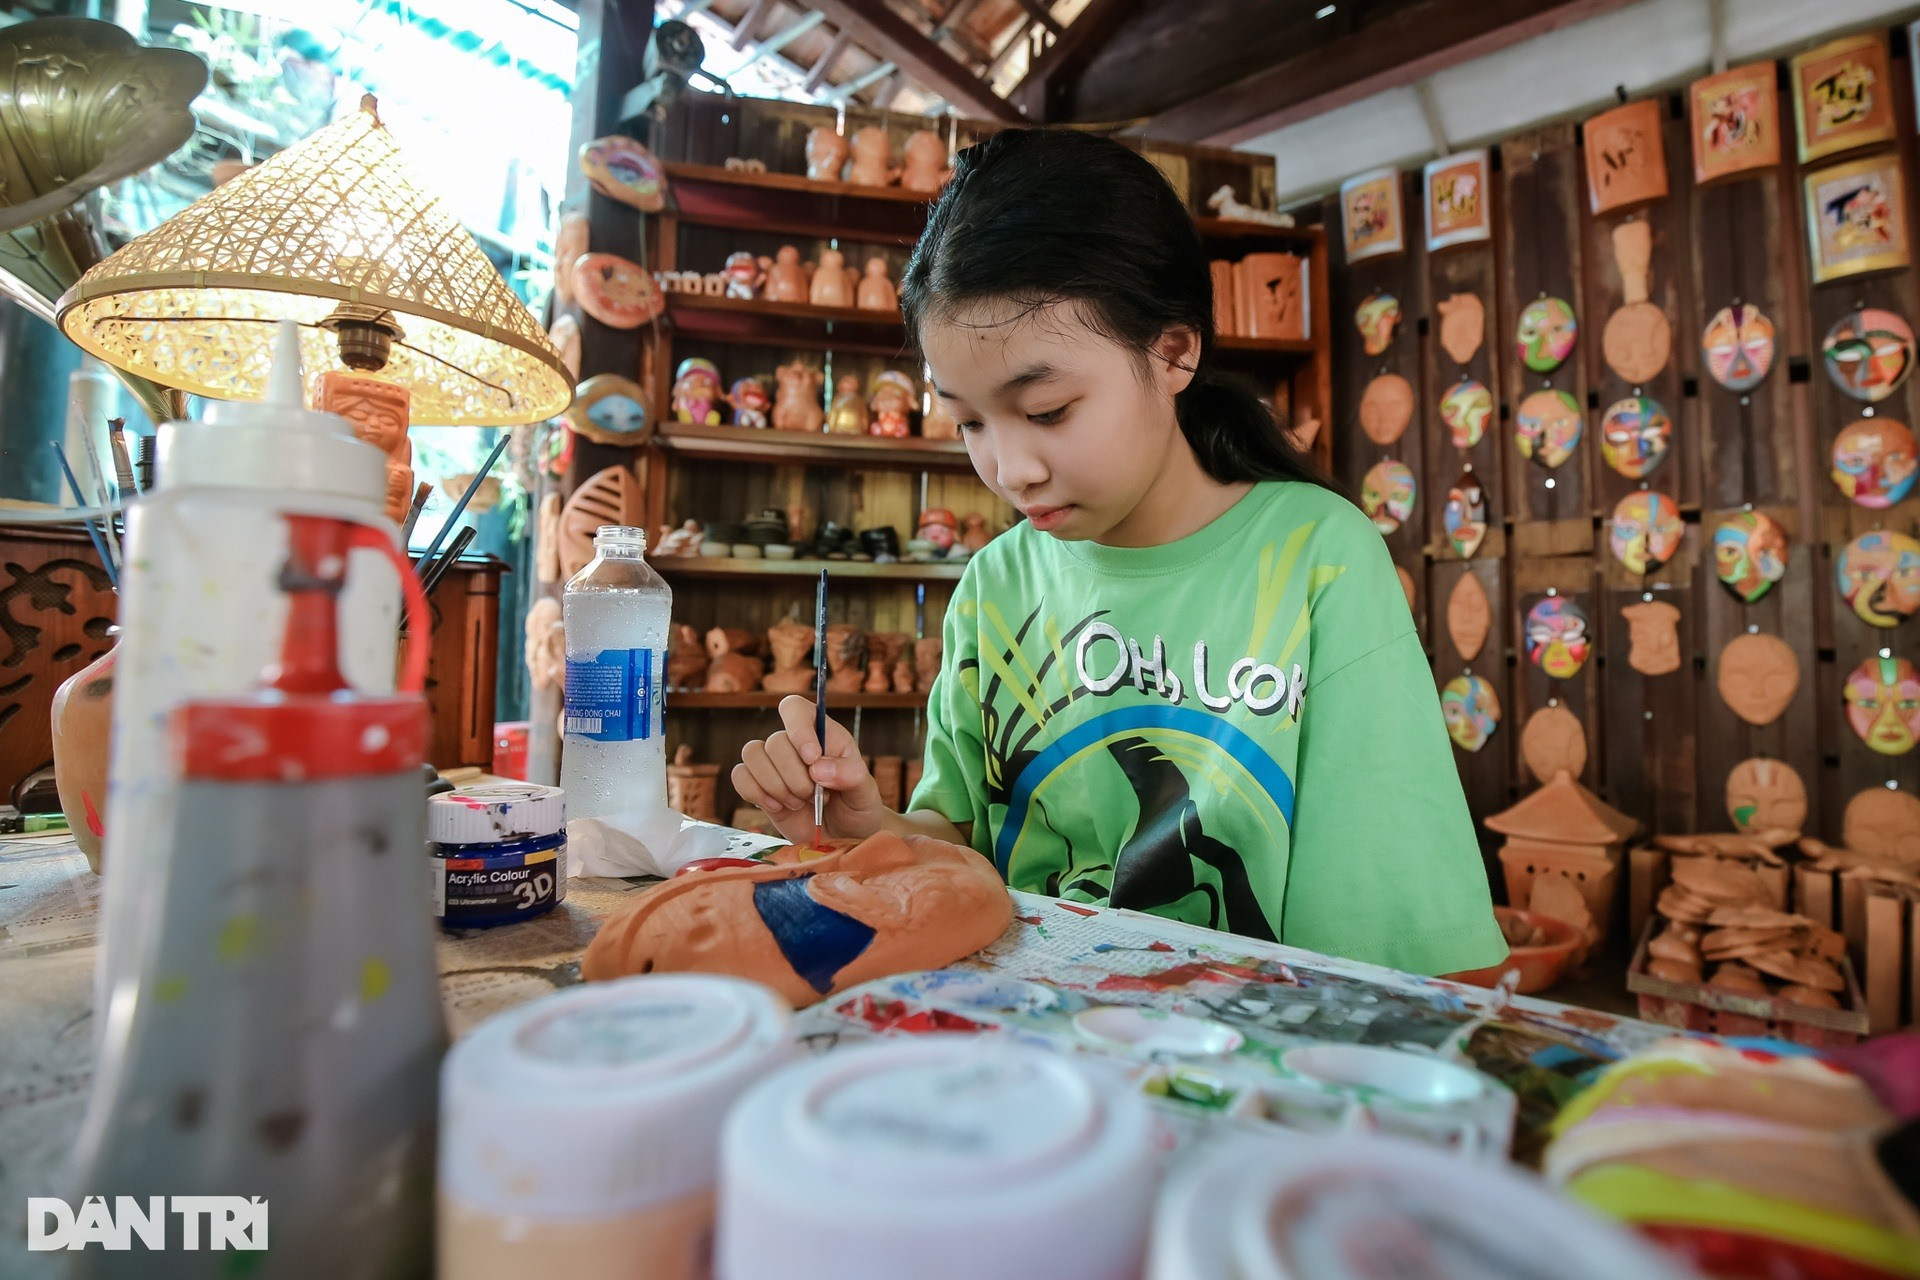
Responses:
[1238,729]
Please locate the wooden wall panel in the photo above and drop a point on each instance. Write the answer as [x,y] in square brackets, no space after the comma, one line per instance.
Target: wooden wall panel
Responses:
[1464,269]
[1486,775]
[1649,719]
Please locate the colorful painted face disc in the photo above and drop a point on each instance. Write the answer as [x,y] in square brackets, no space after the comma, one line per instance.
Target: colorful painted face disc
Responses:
[1387,493]
[1465,409]
[1738,346]
[1558,637]
[618,293]
[1874,462]
[1635,434]
[622,169]
[1645,531]
[1883,704]
[1879,577]
[1546,334]
[1465,515]
[1750,553]
[1548,427]
[1868,353]
[1377,318]
[1472,711]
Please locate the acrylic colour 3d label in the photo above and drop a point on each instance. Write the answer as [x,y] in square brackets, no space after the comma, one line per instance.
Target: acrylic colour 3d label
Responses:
[615,695]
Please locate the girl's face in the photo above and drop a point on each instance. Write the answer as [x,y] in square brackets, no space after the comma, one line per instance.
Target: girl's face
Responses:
[1064,423]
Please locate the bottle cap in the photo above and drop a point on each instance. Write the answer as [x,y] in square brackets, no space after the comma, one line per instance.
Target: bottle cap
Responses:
[621,539]
[937,1147]
[496,813]
[603,1099]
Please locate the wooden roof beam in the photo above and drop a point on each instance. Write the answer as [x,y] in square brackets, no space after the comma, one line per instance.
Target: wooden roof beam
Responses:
[1043,14]
[743,33]
[824,67]
[1046,77]
[892,37]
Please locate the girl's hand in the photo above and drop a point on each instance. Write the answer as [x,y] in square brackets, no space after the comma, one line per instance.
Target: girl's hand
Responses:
[778,774]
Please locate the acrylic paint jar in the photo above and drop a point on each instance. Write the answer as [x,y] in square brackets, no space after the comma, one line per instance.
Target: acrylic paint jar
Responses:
[1287,1206]
[940,1158]
[579,1133]
[498,853]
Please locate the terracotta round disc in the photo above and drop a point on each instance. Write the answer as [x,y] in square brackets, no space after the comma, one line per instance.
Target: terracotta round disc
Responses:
[1883,823]
[565,336]
[1553,742]
[1637,342]
[1764,793]
[1758,677]
[1386,407]
[618,293]
[1469,616]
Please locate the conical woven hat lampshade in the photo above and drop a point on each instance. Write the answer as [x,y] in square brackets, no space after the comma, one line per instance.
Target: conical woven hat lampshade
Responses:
[336,219]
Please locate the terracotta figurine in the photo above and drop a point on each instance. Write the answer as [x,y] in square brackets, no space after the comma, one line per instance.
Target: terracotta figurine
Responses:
[924,168]
[829,287]
[744,276]
[974,532]
[546,654]
[797,405]
[696,393]
[846,658]
[686,658]
[938,526]
[926,663]
[564,334]
[750,402]
[871,164]
[826,154]
[792,647]
[876,291]
[691,787]
[786,279]
[848,416]
[731,666]
[1225,204]
[683,541]
[379,412]
[877,681]
[891,404]
[904,680]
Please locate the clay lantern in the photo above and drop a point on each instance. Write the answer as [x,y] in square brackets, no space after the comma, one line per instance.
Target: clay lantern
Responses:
[1564,831]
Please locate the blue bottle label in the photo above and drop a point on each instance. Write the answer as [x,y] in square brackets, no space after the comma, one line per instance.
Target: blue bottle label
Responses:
[615,695]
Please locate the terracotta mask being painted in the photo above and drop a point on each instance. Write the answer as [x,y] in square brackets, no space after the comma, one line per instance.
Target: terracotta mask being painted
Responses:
[1545,335]
[1465,409]
[1883,704]
[1764,793]
[1738,345]
[1635,434]
[1645,531]
[1879,576]
[1868,353]
[885,905]
[1558,637]
[1387,493]
[1472,711]
[1465,515]
[1548,427]
[1750,553]
[1376,318]
[1874,462]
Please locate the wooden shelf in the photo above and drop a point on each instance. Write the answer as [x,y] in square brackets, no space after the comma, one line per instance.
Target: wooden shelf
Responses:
[760,699]
[1302,238]
[1271,346]
[727,567]
[793,204]
[795,448]
[789,324]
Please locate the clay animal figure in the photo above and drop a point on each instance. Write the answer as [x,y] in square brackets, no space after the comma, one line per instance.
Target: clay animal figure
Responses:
[887,904]
[1225,204]
[826,154]
[871,164]
[829,288]
[876,291]
[786,279]
[924,167]
[796,407]
[1656,641]
[1463,326]
[1759,675]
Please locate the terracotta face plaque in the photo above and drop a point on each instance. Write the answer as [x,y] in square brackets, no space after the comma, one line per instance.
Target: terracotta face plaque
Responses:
[1469,617]
[1558,637]
[617,293]
[1472,711]
[1376,318]
[1637,342]
[1738,346]
[1457,200]
[1759,675]
[1645,531]
[565,336]
[1465,515]
[1883,704]
[1883,824]
[1654,628]
[1465,409]
[1842,95]
[1387,493]
[609,409]
[624,170]
[1750,553]
[1735,121]
[1879,576]
[1463,326]
[1386,407]
[1554,743]
[1874,462]
[1545,336]
[1548,427]
[1766,795]
[1856,218]
[1868,353]
[1626,162]
[570,240]
[1635,434]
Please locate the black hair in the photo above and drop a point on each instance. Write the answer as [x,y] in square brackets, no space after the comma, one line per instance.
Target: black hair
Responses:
[1045,216]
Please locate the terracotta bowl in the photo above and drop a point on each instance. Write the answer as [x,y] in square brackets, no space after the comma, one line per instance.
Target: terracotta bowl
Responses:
[1540,967]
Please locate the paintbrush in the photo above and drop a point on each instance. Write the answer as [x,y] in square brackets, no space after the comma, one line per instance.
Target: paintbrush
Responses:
[820,706]
[108,497]
[499,447]
[421,492]
[80,500]
[445,562]
[122,462]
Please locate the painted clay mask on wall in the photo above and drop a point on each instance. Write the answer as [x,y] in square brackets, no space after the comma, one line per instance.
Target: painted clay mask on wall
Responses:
[1750,553]
[609,409]
[1548,427]
[1472,711]
[1465,516]
[1653,627]
[1883,704]
[1463,326]
[617,293]
[1738,346]
[1759,674]
[1386,407]
[1465,409]
[1558,637]
[1635,434]
[1545,335]
[1377,318]
[1469,617]
[624,170]
[1766,795]
[1868,353]
[886,905]
[1387,493]
[1874,462]
[1879,575]
[1645,531]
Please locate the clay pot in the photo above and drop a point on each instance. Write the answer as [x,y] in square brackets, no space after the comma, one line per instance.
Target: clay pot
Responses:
[1540,965]
[82,719]
[691,787]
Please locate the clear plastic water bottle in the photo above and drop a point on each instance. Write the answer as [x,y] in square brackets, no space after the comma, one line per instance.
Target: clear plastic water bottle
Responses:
[614,761]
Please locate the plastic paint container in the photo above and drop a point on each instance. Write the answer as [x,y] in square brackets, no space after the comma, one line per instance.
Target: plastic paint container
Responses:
[579,1132]
[499,853]
[1286,1207]
[940,1158]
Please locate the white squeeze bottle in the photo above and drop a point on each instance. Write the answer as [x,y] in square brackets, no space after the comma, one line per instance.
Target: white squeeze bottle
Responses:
[613,765]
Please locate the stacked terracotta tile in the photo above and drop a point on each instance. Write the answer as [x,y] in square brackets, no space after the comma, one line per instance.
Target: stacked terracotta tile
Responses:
[1718,912]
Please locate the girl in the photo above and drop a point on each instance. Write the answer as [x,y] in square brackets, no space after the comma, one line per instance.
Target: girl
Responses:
[1189,683]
